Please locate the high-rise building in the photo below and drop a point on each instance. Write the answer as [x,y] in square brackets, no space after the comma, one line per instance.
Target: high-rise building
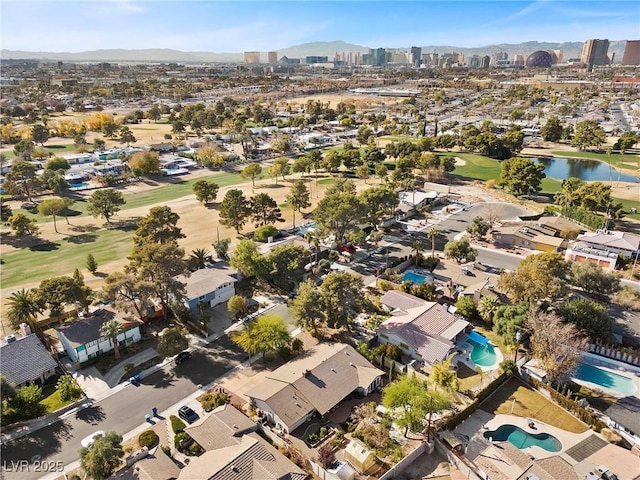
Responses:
[485,61]
[416,56]
[594,52]
[380,57]
[631,54]
[272,57]
[474,61]
[252,57]
[316,59]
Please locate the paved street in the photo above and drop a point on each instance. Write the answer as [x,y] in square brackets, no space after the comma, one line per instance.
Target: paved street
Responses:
[122,411]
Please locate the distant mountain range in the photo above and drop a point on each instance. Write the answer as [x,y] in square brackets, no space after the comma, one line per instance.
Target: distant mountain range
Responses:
[570,50]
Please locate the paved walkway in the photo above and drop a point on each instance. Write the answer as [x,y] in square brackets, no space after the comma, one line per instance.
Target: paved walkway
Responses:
[114,375]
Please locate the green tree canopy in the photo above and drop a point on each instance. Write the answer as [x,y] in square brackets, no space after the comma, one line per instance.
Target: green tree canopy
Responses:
[264,210]
[265,334]
[307,307]
[460,251]
[538,277]
[588,133]
[111,330]
[105,203]
[589,316]
[144,163]
[23,225]
[252,171]
[23,306]
[234,210]
[103,457]
[478,227]
[521,176]
[171,342]
[592,278]
[340,293]
[508,320]
[159,226]
[338,214]
[205,191]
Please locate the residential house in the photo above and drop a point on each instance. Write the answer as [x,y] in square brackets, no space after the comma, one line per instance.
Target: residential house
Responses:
[81,338]
[25,360]
[290,241]
[314,383]
[157,466]
[423,330]
[477,290]
[409,203]
[624,416]
[211,286]
[223,427]
[603,248]
[529,235]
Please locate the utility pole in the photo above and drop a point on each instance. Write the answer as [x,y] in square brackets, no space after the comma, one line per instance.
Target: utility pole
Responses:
[429,422]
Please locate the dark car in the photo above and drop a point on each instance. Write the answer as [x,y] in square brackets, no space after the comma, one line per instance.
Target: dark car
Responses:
[187,414]
[182,356]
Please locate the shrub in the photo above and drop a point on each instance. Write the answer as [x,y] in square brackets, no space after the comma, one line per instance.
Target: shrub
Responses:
[177,425]
[182,441]
[210,401]
[430,263]
[147,439]
[508,367]
[263,233]
[326,456]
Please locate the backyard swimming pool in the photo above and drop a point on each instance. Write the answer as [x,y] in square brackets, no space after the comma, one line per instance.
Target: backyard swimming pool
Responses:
[606,379]
[482,354]
[302,231]
[414,277]
[521,439]
[78,186]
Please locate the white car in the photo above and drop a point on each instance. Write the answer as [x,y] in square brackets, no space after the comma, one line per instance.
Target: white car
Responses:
[88,441]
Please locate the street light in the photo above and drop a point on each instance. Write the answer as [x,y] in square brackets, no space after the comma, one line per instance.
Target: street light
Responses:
[518,338]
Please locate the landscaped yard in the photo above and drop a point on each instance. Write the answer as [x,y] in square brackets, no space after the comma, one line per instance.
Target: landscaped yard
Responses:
[477,167]
[52,400]
[516,398]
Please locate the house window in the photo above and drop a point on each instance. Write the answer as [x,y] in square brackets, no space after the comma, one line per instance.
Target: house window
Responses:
[404,346]
[202,297]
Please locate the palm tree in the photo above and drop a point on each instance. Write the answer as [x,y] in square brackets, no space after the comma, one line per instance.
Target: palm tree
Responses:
[198,258]
[432,234]
[24,307]
[487,306]
[418,247]
[111,330]
[310,236]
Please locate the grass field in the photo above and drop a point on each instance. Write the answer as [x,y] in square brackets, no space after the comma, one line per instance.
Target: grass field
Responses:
[29,264]
[516,398]
[52,400]
[477,167]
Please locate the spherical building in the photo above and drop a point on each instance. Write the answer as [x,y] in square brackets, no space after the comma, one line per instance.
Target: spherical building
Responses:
[539,58]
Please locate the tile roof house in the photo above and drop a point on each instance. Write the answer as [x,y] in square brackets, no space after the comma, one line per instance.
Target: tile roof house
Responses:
[212,286]
[25,360]
[528,235]
[250,459]
[153,467]
[315,381]
[603,248]
[81,338]
[223,427]
[423,330]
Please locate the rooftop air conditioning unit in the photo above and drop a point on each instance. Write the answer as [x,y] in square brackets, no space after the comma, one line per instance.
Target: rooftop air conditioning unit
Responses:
[10,338]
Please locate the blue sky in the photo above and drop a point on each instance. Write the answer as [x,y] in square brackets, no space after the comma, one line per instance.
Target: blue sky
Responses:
[236,26]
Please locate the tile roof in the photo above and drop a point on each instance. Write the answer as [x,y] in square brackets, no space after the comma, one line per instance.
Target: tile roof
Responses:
[223,427]
[157,467]
[316,380]
[251,459]
[423,327]
[626,411]
[205,280]
[25,360]
[551,468]
[502,461]
[615,239]
[87,329]
[397,300]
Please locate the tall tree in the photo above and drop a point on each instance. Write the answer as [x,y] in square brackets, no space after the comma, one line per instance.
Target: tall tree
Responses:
[588,133]
[306,308]
[508,320]
[103,457]
[552,130]
[159,226]
[460,251]
[444,376]
[234,210]
[589,316]
[111,330]
[221,247]
[592,278]
[171,342]
[433,234]
[128,292]
[23,225]
[264,210]
[39,134]
[55,292]
[247,259]
[338,214]
[126,135]
[298,198]
[252,171]
[144,163]
[521,176]
[54,207]
[556,344]
[340,293]
[379,202]
[105,203]
[478,227]
[24,306]
[22,180]
[265,334]
[280,167]
[538,277]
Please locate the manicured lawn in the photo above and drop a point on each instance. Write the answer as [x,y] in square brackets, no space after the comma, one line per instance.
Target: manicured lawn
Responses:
[477,167]
[326,181]
[29,264]
[516,398]
[61,149]
[52,399]
[615,158]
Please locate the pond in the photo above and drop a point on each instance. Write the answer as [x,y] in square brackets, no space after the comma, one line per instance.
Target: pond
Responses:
[589,170]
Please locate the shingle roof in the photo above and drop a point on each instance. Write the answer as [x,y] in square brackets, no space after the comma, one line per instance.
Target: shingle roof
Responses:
[223,427]
[157,467]
[502,461]
[251,459]
[25,360]
[551,468]
[622,240]
[423,327]
[205,280]
[316,380]
[395,299]
[626,411]
[85,330]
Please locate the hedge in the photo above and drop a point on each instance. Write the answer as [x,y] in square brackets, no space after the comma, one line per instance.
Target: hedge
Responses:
[147,439]
[177,425]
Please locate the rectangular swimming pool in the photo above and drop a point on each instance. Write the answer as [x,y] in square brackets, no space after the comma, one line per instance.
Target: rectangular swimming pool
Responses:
[413,277]
[606,379]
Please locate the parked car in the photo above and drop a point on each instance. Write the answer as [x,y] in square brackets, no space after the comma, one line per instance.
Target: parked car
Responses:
[188,414]
[182,356]
[347,248]
[88,440]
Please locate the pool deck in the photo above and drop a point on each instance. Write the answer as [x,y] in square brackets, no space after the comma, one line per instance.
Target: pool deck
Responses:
[465,357]
[481,421]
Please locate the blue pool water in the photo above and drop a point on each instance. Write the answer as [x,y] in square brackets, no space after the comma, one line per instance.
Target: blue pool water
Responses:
[78,186]
[483,354]
[475,336]
[302,231]
[521,439]
[610,380]
[414,278]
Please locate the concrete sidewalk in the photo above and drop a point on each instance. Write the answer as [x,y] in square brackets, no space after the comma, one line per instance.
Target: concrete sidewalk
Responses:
[114,375]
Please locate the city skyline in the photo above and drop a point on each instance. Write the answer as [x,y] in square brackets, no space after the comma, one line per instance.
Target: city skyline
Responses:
[265,25]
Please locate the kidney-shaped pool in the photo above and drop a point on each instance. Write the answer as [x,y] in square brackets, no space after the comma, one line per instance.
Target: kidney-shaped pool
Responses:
[521,439]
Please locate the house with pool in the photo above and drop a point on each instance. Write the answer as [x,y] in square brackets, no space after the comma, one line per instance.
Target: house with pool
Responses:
[424,331]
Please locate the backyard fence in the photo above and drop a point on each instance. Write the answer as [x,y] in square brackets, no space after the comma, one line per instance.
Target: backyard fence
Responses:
[469,470]
[406,461]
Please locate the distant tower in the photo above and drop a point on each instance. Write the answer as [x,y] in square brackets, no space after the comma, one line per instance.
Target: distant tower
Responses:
[416,56]
[251,57]
[273,57]
[594,52]
[485,61]
[631,54]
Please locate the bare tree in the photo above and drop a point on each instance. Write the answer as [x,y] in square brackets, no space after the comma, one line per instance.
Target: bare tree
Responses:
[554,343]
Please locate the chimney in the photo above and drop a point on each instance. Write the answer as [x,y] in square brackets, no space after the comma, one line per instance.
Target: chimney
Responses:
[25,329]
